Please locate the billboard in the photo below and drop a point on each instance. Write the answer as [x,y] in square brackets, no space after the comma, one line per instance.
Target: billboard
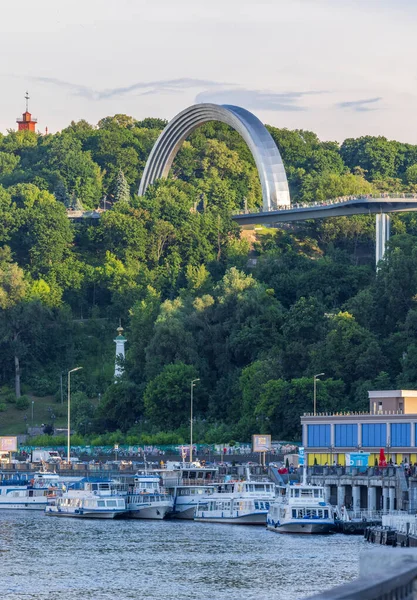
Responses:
[357,459]
[301,456]
[8,444]
[261,443]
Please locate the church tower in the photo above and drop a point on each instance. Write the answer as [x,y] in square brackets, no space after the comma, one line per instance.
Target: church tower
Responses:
[26,123]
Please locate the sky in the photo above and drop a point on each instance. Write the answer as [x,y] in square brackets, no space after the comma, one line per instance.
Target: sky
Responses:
[341,68]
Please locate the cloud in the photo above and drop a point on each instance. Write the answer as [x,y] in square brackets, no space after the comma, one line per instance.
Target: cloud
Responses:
[256,99]
[148,87]
[214,91]
[360,105]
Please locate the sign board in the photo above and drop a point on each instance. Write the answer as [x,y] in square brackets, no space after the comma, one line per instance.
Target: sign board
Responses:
[357,459]
[301,456]
[261,443]
[8,444]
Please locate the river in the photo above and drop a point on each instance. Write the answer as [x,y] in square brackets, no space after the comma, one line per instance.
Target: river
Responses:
[45,558]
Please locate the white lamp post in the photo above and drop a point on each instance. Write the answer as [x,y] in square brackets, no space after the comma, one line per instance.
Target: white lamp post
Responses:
[191,420]
[315,392]
[69,413]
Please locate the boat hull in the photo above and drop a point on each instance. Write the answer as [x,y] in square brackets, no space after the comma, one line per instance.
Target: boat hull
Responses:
[23,505]
[149,512]
[85,514]
[306,528]
[251,519]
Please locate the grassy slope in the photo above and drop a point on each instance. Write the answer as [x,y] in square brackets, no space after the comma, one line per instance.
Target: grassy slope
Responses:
[12,421]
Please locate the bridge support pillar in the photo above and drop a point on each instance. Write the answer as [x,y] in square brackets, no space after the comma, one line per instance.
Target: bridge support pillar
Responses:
[382,235]
[327,493]
[385,498]
[371,498]
[391,498]
[356,497]
[341,494]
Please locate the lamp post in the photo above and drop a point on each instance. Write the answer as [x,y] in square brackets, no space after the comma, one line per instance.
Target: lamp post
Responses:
[33,402]
[315,392]
[69,413]
[191,419]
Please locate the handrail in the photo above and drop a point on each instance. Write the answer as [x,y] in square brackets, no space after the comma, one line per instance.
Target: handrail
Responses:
[395,582]
[330,201]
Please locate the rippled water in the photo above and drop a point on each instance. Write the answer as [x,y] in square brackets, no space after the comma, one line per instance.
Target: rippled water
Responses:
[43,558]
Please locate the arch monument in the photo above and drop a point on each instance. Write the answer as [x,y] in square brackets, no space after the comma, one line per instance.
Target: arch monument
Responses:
[275,192]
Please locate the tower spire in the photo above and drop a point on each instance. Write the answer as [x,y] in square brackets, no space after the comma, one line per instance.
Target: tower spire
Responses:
[27,97]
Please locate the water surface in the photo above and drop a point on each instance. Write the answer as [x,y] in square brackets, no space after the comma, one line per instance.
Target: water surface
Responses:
[46,558]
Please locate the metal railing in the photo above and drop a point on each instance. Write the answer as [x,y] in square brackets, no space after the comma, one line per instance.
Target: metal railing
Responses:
[387,576]
[329,202]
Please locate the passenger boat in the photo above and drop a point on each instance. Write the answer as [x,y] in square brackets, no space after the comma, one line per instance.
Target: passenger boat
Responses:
[301,508]
[98,499]
[188,483]
[146,500]
[245,502]
[20,492]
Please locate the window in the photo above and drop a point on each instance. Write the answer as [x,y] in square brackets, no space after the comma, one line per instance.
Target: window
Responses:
[326,514]
[294,513]
[101,503]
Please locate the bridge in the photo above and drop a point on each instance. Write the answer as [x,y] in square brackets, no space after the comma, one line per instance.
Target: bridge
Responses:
[276,201]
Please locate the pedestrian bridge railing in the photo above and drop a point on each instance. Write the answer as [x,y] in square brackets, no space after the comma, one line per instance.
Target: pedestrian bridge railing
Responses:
[384,575]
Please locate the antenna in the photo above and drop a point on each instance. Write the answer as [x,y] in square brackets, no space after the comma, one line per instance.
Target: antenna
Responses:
[27,101]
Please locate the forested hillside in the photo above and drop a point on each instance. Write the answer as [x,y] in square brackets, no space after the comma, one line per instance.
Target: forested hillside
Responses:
[252,315]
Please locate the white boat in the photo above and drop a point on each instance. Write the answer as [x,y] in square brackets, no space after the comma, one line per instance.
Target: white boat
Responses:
[98,499]
[244,502]
[187,497]
[19,492]
[301,508]
[188,483]
[146,500]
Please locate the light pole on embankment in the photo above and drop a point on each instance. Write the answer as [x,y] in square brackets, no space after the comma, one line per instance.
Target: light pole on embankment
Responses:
[69,414]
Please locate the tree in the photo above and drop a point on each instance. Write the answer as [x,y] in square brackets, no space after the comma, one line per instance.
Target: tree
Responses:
[121,189]
[167,396]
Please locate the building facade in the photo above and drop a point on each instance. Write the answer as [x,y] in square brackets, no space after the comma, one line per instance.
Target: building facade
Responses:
[390,425]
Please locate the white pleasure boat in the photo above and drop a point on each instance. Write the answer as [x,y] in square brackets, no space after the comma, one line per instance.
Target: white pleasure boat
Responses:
[244,502]
[98,499]
[146,500]
[301,508]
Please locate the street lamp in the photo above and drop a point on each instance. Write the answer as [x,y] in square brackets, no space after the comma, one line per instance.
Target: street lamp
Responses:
[191,420]
[315,392]
[33,402]
[69,413]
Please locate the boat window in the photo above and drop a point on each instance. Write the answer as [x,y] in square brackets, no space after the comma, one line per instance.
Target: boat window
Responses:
[316,493]
[111,503]
[320,513]
[267,505]
[294,513]
[94,486]
[256,505]
[326,514]
[296,493]
[300,513]
[101,503]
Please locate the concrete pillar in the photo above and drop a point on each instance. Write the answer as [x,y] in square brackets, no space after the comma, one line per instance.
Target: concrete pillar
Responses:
[371,498]
[391,495]
[385,498]
[332,434]
[382,236]
[327,493]
[356,497]
[341,493]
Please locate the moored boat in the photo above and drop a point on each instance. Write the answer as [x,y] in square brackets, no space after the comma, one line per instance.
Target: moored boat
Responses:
[243,502]
[98,499]
[146,500]
[301,508]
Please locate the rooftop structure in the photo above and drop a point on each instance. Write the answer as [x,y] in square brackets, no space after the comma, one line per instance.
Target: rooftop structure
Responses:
[25,122]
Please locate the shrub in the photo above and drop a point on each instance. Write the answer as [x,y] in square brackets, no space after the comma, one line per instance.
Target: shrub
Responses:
[10,397]
[22,403]
[3,407]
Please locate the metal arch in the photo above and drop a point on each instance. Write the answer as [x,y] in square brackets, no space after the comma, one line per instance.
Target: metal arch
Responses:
[267,158]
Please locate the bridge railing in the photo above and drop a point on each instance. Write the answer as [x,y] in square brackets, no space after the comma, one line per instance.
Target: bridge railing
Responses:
[329,202]
[383,576]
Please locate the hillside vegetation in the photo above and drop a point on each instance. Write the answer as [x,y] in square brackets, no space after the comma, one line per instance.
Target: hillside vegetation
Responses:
[175,269]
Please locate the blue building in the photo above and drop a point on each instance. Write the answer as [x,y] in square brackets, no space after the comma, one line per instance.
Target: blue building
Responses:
[390,424]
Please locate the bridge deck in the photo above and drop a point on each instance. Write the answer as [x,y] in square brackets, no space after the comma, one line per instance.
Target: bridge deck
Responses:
[356,206]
